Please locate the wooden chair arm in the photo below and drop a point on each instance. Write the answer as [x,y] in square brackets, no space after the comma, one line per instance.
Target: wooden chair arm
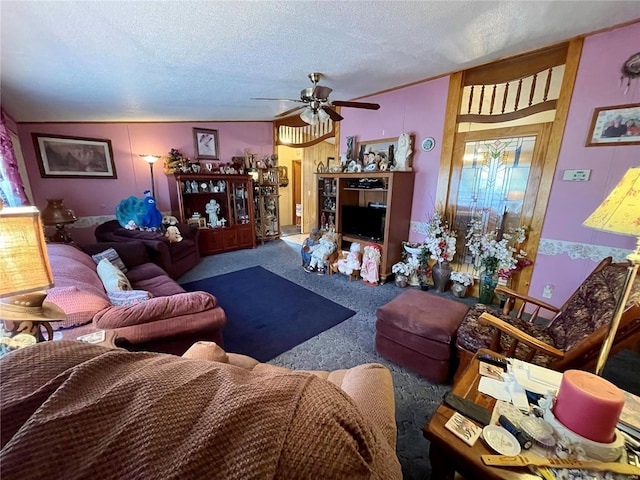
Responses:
[512,296]
[519,335]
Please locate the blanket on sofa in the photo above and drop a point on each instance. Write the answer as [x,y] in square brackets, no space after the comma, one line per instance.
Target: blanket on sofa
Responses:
[72,410]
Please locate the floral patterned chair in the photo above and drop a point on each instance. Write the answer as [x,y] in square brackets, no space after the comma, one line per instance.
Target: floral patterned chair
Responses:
[572,339]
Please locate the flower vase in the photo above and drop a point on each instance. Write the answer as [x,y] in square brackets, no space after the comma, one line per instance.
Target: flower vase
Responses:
[441,273]
[459,290]
[488,283]
[401,281]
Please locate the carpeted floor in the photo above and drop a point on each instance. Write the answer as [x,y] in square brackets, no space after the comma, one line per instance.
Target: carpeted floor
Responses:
[351,342]
[267,314]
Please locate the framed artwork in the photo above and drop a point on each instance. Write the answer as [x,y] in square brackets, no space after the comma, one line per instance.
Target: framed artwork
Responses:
[206,144]
[384,148]
[74,157]
[617,125]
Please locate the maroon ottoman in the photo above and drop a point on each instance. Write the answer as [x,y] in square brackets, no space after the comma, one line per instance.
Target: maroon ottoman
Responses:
[417,330]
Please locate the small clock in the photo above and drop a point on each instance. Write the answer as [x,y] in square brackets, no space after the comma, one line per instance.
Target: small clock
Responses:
[428,144]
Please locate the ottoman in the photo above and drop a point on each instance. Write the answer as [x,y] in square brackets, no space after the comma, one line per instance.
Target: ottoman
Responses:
[417,330]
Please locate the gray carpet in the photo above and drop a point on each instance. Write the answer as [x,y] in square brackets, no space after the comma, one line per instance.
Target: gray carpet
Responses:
[351,342]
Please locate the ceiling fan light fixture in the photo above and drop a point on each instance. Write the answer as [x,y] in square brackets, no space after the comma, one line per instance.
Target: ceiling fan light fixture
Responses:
[322,115]
[309,116]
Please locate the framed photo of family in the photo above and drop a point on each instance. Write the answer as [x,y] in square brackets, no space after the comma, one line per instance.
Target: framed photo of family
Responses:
[206,144]
[616,125]
[74,157]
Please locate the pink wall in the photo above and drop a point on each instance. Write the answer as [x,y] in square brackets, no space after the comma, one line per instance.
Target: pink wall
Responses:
[597,85]
[418,110]
[95,197]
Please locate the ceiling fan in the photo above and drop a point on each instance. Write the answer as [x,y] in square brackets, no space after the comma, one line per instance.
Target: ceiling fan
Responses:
[318,106]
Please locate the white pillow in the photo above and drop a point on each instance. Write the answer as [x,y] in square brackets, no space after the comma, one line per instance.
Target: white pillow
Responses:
[113,279]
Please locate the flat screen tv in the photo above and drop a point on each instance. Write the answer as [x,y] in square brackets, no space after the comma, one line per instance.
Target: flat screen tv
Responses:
[365,222]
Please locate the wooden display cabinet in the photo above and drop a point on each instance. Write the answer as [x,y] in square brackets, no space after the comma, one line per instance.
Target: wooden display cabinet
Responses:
[387,196]
[193,193]
[266,200]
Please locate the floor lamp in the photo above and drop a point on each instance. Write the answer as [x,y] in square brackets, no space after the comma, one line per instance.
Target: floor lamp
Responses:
[620,213]
[151,159]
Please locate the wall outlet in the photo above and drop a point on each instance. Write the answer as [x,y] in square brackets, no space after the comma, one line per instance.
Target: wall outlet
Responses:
[576,175]
[547,292]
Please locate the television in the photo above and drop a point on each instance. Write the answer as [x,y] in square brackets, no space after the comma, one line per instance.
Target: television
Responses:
[364,222]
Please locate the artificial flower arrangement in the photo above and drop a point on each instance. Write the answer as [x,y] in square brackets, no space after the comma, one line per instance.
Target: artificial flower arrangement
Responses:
[404,268]
[501,256]
[440,239]
[175,162]
[463,278]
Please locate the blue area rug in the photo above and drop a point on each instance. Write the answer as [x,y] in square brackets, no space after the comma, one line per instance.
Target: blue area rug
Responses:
[266,314]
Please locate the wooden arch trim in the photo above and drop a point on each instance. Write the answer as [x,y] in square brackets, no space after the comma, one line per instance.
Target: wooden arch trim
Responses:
[507,117]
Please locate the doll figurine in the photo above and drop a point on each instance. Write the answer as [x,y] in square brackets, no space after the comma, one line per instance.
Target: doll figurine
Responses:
[320,254]
[352,261]
[308,246]
[370,263]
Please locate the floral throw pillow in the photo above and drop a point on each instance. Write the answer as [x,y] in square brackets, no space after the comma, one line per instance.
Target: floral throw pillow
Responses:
[111,255]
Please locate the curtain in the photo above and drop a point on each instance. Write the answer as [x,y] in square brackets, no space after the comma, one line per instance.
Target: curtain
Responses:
[12,191]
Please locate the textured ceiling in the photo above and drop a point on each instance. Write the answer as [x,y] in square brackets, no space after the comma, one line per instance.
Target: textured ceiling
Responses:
[173,61]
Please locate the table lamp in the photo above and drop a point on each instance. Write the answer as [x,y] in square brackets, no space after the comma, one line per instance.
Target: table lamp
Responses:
[151,159]
[55,214]
[620,213]
[25,273]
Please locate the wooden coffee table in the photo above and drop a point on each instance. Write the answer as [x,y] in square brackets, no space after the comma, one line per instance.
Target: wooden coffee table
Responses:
[449,454]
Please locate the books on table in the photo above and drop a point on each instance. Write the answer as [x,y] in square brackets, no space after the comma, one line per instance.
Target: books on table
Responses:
[629,421]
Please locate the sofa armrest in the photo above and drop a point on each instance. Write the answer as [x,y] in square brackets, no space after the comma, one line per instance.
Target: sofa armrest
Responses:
[158,308]
[188,231]
[131,253]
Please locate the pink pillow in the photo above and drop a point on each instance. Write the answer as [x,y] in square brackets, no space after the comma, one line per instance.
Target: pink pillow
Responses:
[79,305]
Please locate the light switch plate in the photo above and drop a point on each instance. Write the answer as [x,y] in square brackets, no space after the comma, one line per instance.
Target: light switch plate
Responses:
[576,175]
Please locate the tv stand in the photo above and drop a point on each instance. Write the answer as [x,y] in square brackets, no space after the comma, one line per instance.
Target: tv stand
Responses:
[391,191]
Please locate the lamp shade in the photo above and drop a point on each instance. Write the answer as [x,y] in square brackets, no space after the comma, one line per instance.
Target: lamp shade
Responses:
[24,263]
[309,116]
[620,211]
[55,213]
[150,158]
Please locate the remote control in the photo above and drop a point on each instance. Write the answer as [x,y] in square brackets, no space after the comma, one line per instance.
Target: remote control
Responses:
[498,362]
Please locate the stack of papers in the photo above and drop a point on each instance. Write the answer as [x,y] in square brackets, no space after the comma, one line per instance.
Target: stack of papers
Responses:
[520,376]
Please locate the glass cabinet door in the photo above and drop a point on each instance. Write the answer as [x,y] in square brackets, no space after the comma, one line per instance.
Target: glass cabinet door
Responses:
[239,198]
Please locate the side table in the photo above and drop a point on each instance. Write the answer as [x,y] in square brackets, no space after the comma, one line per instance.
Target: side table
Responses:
[448,454]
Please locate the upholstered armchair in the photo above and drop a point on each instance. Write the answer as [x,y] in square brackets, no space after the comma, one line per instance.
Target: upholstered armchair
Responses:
[572,339]
[174,258]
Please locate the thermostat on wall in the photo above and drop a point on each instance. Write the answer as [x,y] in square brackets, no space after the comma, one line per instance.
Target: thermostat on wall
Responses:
[576,175]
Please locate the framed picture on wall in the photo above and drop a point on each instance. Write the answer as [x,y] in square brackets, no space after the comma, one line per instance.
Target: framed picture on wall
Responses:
[74,157]
[617,125]
[205,144]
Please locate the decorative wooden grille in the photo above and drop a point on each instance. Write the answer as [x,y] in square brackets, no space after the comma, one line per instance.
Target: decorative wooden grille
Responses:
[294,132]
[513,89]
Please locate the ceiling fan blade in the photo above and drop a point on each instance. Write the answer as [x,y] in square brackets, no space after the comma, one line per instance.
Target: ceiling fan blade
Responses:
[368,106]
[279,99]
[333,115]
[321,92]
[288,112]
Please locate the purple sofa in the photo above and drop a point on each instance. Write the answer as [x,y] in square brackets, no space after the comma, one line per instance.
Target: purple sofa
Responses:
[174,258]
[171,321]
